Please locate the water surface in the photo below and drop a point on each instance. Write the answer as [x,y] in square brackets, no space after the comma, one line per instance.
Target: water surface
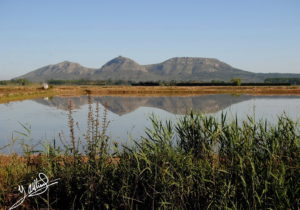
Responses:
[128,116]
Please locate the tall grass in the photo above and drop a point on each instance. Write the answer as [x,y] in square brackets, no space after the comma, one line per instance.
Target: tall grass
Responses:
[198,162]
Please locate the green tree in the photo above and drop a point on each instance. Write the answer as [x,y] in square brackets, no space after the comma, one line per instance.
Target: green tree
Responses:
[236,81]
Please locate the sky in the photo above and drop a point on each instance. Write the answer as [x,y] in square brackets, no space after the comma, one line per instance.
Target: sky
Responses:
[253,35]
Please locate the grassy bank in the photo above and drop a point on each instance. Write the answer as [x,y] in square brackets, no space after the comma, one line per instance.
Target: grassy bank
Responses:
[17,93]
[11,93]
[198,162]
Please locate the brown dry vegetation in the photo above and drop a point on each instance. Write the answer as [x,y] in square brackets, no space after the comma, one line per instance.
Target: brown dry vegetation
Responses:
[14,93]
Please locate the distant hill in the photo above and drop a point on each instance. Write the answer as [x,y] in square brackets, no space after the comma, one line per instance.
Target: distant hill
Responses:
[204,69]
[65,71]
[179,68]
[122,68]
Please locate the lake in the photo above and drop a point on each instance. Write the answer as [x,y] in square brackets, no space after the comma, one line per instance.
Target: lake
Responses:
[129,116]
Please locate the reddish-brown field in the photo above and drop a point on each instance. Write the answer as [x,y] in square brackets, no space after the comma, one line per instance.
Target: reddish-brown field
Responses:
[13,93]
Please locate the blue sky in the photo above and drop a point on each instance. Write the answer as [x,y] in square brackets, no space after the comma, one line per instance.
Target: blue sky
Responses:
[254,35]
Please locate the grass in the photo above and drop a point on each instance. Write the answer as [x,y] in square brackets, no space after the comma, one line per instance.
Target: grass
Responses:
[17,93]
[198,162]
[11,93]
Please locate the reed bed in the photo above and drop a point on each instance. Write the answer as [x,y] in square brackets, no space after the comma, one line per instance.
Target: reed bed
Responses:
[198,162]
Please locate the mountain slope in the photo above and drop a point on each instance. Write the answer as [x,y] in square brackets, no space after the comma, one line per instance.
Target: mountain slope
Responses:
[122,68]
[203,69]
[65,71]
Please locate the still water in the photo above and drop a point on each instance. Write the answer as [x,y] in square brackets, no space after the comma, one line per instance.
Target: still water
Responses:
[128,116]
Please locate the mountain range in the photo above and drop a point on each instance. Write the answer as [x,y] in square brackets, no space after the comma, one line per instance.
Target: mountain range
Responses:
[178,68]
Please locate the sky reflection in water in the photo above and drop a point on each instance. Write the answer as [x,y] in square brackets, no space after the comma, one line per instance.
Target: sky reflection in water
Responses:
[129,116]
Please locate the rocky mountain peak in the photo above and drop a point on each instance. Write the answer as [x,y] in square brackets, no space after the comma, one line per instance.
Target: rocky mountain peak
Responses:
[121,64]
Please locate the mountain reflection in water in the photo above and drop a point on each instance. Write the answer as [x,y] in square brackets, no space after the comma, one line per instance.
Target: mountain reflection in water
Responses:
[174,104]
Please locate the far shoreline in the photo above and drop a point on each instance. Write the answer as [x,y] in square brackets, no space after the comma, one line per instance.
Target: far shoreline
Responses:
[17,93]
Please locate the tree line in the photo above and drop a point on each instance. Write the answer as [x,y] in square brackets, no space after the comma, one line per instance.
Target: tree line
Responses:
[232,82]
[292,81]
